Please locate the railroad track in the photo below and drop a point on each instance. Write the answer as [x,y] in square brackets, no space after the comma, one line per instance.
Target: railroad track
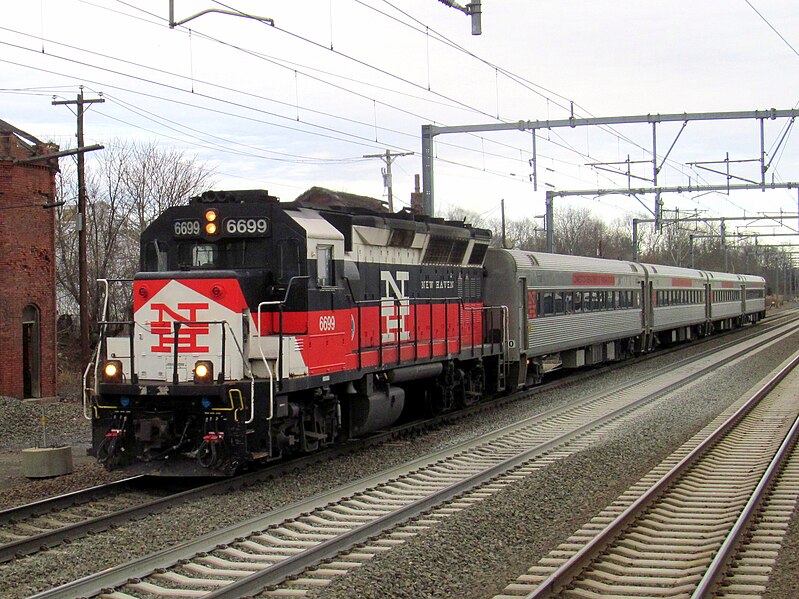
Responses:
[42,525]
[707,522]
[281,550]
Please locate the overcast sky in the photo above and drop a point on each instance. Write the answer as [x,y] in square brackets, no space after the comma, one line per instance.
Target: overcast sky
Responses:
[299,103]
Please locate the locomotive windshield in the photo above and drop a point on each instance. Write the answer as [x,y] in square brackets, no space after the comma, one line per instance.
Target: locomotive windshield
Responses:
[231,254]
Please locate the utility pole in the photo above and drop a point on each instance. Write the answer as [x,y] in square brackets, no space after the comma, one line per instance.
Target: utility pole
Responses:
[473,9]
[388,158]
[83,271]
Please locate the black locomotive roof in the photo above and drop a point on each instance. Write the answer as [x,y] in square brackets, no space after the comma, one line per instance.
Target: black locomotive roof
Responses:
[339,206]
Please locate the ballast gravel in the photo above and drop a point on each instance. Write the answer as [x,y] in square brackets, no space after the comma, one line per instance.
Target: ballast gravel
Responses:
[472,554]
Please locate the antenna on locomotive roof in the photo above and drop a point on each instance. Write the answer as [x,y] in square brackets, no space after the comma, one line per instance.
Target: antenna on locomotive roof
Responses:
[502,208]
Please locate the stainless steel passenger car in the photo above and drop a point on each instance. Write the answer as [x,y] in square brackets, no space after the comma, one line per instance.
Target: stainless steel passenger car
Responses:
[726,300]
[587,310]
[574,311]
[754,298]
[675,303]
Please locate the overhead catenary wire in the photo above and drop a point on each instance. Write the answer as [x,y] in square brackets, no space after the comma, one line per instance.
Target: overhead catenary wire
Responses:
[226,88]
[344,131]
[317,111]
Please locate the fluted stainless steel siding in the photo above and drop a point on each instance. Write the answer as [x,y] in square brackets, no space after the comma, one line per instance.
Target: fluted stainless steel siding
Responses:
[755,305]
[558,333]
[678,316]
[725,310]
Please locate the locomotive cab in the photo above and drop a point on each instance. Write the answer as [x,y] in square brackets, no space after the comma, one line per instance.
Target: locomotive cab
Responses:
[185,385]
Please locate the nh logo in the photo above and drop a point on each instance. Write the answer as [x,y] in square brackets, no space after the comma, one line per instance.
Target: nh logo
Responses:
[394,306]
[188,337]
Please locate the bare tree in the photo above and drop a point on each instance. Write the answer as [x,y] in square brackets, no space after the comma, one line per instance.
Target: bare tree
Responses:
[577,233]
[127,187]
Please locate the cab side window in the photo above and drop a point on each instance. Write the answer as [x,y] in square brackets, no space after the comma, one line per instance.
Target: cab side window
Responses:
[325,277]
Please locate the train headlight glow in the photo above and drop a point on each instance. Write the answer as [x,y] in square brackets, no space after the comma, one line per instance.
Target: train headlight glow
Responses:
[204,372]
[112,371]
[211,217]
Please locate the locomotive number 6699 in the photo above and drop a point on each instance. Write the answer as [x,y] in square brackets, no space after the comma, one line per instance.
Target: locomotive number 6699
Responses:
[327,323]
[246,226]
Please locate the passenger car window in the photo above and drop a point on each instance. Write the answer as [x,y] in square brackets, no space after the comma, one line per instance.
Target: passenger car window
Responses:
[578,301]
[558,302]
[548,308]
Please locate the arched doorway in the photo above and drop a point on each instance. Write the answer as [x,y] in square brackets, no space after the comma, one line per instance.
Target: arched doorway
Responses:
[31,352]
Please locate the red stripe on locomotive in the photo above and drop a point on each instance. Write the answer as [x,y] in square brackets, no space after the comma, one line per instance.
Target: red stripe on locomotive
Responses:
[331,341]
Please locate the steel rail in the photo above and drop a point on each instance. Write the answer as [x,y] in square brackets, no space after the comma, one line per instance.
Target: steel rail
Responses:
[309,460]
[73,498]
[300,562]
[169,557]
[53,537]
[572,568]
[725,553]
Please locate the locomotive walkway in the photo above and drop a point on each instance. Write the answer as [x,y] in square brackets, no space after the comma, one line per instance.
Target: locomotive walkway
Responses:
[282,550]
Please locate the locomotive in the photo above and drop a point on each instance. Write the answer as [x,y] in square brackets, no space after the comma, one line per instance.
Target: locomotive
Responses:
[263,328]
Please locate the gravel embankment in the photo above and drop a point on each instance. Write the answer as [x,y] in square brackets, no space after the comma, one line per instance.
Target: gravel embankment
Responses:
[476,553]
[472,554]
[22,428]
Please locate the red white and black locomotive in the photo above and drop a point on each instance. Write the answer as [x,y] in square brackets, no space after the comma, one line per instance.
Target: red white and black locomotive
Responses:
[263,328]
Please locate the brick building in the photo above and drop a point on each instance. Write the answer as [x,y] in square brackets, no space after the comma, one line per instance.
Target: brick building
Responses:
[27,266]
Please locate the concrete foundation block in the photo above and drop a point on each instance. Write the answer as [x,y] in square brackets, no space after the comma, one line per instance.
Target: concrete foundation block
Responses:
[44,462]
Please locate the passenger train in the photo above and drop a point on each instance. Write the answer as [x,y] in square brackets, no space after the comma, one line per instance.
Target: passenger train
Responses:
[263,328]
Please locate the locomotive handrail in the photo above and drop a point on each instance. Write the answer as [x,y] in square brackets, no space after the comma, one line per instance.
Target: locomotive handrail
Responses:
[415,301]
[95,358]
[94,361]
[278,360]
[412,301]
[244,361]
[176,324]
[225,325]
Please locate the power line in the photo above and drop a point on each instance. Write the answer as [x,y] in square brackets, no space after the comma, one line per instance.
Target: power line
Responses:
[774,29]
[270,99]
[225,88]
[442,39]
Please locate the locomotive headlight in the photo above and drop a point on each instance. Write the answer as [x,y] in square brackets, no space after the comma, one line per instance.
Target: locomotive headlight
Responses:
[204,372]
[211,218]
[112,371]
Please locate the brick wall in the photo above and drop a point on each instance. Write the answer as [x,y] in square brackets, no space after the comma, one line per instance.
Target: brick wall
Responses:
[27,263]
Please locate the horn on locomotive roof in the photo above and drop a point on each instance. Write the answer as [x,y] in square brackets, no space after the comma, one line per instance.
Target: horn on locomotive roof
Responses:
[236,196]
